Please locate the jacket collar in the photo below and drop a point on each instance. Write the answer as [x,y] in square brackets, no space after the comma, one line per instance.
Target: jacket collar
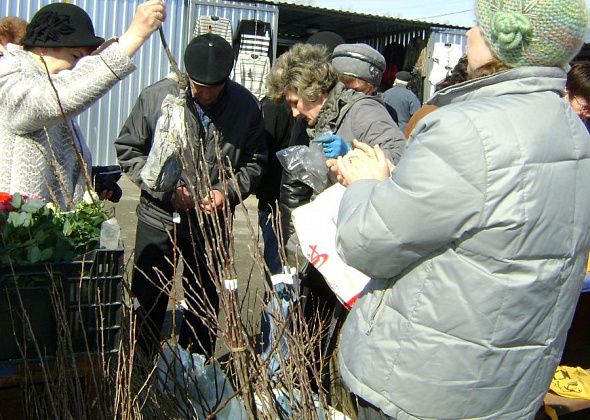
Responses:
[337,104]
[217,107]
[520,80]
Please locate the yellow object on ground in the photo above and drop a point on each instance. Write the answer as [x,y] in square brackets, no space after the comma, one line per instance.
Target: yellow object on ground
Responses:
[571,382]
[550,411]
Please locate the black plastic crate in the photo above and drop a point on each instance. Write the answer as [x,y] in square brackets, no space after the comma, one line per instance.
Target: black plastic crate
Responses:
[89,294]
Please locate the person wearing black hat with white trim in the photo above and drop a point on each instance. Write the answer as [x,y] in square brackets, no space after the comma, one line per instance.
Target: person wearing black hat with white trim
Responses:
[226,113]
[43,152]
[402,99]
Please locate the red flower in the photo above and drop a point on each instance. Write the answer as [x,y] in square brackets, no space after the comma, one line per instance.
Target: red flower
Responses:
[5,202]
[5,197]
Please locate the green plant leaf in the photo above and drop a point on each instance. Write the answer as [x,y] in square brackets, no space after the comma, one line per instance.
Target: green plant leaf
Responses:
[34,254]
[46,254]
[67,229]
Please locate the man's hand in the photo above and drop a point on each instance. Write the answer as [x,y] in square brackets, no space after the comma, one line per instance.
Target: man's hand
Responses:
[113,194]
[181,199]
[215,201]
[363,162]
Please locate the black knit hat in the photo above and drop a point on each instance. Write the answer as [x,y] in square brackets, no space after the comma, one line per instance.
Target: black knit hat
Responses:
[208,59]
[61,25]
[403,76]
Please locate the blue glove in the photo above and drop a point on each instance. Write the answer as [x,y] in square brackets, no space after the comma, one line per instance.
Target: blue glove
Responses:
[333,145]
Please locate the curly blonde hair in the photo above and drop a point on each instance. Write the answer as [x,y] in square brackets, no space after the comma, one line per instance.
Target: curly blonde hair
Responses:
[304,69]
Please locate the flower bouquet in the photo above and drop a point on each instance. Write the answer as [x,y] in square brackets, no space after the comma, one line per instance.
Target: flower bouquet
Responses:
[33,231]
[52,270]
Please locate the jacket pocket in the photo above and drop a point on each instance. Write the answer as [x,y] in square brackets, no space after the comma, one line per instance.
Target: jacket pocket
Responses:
[374,311]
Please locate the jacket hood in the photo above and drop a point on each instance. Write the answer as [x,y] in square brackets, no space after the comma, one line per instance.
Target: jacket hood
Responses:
[515,81]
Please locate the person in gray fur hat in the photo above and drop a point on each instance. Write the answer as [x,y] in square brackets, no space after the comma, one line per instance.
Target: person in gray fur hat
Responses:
[360,67]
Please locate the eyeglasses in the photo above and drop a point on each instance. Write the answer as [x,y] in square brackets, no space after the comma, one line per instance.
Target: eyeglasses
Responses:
[583,107]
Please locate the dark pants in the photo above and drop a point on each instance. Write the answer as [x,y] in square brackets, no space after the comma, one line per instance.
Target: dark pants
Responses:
[367,411]
[322,312]
[152,283]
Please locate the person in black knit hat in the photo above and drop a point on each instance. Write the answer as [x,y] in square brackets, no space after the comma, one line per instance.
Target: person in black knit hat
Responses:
[43,152]
[227,115]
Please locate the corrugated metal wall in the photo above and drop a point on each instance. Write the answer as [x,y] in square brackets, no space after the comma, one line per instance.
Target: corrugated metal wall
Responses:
[101,123]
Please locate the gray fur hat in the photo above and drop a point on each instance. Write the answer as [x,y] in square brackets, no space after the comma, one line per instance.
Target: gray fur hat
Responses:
[359,60]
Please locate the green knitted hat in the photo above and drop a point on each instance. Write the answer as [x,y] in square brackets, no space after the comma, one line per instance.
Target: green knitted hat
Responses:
[533,32]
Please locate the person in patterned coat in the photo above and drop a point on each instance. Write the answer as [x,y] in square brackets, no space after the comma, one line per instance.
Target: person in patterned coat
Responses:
[61,69]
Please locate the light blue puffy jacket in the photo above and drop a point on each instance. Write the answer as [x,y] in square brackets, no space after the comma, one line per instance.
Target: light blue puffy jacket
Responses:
[478,246]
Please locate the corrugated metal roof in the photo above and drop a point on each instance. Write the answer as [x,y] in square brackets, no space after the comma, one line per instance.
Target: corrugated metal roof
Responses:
[295,20]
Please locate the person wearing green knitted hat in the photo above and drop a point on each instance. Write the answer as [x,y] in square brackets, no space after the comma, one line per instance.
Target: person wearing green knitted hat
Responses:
[533,32]
[476,244]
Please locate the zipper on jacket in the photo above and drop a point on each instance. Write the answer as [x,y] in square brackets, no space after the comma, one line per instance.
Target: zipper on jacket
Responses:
[375,312]
[378,307]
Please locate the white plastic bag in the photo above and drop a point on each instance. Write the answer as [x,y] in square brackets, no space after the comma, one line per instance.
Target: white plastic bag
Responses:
[199,389]
[109,234]
[307,164]
[174,130]
[315,224]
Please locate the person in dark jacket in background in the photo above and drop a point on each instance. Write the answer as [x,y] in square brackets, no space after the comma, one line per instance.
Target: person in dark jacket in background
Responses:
[278,123]
[402,99]
[229,115]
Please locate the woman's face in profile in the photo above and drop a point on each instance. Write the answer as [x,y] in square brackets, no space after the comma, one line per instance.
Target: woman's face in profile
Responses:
[580,105]
[64,58]
[302,108]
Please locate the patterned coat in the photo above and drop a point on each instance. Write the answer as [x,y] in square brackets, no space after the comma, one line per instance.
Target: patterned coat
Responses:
[38,152]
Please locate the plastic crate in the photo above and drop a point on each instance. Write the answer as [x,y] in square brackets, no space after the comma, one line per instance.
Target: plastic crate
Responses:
[89,294]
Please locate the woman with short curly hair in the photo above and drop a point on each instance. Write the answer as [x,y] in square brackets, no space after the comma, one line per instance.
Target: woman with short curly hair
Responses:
[305,77]
[12,29]
[305,70]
